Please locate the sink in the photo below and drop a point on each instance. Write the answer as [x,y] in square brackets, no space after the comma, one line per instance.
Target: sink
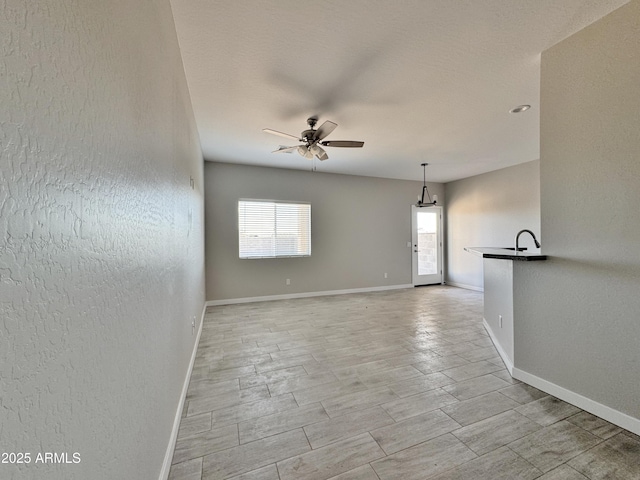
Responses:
[520,249]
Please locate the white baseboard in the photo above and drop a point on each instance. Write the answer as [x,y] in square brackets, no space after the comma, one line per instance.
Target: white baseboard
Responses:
[288,296]
[607,413]
[505,358]
[466,287]
[168,456]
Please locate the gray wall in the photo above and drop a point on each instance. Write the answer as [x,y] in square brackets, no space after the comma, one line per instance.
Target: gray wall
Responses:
[578,313]
[360,229]
[487,211]
[101,270]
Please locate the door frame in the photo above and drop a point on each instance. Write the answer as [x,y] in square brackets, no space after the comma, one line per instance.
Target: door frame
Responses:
[414,252]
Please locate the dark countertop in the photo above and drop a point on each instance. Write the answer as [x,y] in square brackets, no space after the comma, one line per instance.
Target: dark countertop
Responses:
[505,253]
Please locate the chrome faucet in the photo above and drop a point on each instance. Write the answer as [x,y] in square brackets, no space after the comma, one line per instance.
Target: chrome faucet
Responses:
[518,239]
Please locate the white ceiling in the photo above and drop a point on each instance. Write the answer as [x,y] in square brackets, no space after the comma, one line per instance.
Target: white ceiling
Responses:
[416,80]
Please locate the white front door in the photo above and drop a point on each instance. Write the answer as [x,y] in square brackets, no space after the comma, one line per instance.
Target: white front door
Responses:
[426,240]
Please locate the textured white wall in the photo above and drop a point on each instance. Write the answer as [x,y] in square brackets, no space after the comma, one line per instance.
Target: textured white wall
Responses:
[577,313]
[488,210]
[360,227]
[101,248]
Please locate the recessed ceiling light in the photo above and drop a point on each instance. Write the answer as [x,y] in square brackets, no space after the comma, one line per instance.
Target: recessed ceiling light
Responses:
[520,108]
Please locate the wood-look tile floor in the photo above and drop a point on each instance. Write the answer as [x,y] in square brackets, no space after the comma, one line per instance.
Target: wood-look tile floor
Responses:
[401,384]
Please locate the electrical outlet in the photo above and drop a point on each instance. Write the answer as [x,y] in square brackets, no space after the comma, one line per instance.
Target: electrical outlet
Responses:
[193,325]
[288,281]
[385,275]
[500,320]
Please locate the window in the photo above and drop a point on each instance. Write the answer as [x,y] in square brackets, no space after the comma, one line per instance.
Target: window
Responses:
[269,229]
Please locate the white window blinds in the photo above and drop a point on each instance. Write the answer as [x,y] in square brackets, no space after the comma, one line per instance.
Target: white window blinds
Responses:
[274,229]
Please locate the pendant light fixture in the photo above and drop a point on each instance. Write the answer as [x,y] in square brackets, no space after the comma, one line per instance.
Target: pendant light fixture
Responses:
[421,199]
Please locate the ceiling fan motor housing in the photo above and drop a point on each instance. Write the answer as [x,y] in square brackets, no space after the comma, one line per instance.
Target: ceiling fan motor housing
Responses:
[307,135]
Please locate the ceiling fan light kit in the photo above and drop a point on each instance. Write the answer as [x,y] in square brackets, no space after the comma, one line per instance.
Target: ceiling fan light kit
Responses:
[421,202]
[313,140]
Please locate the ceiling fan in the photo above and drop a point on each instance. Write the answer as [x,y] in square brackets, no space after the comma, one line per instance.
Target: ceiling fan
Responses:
[313,140]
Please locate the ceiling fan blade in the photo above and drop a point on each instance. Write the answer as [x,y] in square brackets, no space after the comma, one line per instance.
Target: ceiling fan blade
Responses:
[325,129]
[285,149]
[319,152]
[342,143]
[281,134]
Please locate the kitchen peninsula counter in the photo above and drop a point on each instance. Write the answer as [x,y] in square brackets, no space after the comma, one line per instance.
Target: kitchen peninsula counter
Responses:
[499,290]
[505,254]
